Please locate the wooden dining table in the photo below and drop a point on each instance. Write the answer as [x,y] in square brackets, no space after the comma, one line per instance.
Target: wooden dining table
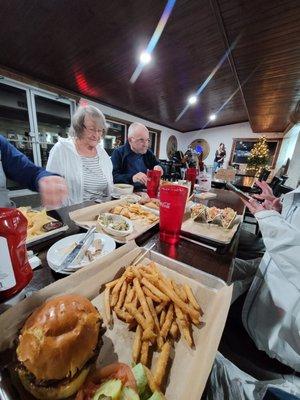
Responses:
[194,253]
[242,182]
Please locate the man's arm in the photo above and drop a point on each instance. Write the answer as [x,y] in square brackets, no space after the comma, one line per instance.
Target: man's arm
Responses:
[19,168]
[119,175]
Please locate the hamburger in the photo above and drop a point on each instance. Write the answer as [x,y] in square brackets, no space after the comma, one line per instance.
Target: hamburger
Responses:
[57,346]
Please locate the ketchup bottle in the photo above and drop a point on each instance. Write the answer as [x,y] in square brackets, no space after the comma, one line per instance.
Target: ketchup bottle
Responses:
[15,271]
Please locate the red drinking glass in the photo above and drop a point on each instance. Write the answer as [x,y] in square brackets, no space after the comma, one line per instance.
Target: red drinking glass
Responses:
[191,175]
[153,182]
[172,206]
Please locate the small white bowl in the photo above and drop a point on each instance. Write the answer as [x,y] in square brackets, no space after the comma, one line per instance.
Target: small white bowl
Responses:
[122,188]
[112,219]
[131,198]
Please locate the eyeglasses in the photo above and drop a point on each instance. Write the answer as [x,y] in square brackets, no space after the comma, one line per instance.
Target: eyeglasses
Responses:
[94,130]
[142,140]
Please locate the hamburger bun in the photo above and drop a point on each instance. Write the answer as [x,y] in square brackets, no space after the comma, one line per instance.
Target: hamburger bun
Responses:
[55,345]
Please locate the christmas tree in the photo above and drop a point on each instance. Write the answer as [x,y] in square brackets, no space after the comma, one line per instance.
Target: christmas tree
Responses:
[259,156]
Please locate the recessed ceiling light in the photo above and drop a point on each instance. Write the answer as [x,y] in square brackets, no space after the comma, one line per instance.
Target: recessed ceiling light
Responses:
[212,117]
[145,57]
[192,99]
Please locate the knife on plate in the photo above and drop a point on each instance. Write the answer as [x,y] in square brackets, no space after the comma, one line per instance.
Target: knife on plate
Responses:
[70,258]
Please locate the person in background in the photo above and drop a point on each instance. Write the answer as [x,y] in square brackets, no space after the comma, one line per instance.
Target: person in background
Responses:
[219,157]
[17,167]
[81,160]
[131,161]
[179,164]
[191,158]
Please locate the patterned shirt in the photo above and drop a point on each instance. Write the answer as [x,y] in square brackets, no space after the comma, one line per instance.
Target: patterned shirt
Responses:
[94,181]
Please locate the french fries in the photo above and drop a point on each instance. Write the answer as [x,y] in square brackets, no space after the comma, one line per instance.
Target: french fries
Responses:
[107,306]
[137,343]
[154,290]
[161,364]
[144,352]
[159,309]
[35,221]
[191,297]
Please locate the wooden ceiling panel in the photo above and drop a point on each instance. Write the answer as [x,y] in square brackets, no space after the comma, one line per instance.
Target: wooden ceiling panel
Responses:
[92,47]
[270,44]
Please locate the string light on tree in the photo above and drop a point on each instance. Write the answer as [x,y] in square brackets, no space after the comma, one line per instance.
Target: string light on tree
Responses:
[259,156]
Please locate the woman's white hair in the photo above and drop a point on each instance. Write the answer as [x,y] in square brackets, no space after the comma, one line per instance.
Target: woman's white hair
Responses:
[77,123]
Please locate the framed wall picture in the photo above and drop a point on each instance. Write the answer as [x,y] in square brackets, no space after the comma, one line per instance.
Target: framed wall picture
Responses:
[241,148]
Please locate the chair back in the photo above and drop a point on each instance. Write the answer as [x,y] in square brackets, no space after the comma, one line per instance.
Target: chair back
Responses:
[226,175]
[264,175]
[167,166]
[282,189]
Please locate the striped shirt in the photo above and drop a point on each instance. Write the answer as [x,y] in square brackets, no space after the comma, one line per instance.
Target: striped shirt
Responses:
[94,181]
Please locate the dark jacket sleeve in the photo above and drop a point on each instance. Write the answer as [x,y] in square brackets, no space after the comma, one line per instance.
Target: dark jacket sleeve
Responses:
[152,160]
[118,175]
[19,168]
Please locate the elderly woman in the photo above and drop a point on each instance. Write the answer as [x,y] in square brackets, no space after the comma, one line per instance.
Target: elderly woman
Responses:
[81,160]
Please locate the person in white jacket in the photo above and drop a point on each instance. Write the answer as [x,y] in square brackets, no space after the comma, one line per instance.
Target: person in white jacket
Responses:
[81,160]
[271,310]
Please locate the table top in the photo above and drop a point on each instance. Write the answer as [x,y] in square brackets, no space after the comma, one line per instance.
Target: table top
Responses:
[242,182]
[187,251]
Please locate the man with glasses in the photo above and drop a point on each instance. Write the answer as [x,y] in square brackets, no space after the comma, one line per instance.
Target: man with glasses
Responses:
[132,160]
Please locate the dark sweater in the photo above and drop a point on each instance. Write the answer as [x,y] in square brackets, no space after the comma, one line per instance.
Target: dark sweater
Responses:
[18,167]
[123,170]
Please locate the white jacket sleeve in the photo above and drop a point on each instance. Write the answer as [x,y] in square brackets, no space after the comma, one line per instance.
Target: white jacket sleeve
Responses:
[54,163]
[282,241]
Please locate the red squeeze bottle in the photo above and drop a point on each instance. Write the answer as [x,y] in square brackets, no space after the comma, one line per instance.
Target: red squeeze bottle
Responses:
[15,271]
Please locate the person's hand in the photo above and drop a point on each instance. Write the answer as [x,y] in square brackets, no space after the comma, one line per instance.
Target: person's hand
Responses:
[270,201]
[53,191]
[159,168]
[254,206]
[140,177]
[266,191]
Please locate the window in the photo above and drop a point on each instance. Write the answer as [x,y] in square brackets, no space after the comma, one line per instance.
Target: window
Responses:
[32,120]
[115,136]
[53,119]
[14,122]
[241,149]
[153,140]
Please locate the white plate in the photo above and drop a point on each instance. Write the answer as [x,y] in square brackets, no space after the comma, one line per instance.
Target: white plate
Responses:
[56,253]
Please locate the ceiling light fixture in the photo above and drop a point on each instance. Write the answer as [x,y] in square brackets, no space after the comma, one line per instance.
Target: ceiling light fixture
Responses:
[212,117]
[192,99]
[145,57]
[154,39]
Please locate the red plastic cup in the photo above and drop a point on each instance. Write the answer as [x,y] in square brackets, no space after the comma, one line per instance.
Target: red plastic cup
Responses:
[153,182]
[191,175]
[172,206]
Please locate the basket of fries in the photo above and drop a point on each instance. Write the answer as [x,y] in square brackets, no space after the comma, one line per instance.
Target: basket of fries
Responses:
[159,309]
